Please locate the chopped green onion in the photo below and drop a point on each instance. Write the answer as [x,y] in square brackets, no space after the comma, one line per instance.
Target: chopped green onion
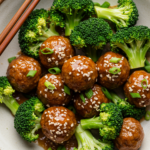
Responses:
[61,148]
[89,93]
[114,70]
[11,59]
[50,148]
[54,70]
[72,109]
[147,63]
[135,95]
[66,89]
[31,73]
[147,115]
[50,51]
[105,4]
[147,68]
[144,81]
[49,85]
[107,94]
[82,98]
[114,60]
[97,4]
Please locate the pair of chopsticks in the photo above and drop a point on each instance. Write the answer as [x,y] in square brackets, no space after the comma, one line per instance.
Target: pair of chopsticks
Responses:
[11,29]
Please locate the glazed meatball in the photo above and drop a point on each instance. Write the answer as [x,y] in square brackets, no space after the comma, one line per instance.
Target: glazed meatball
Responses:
[79,73]
[62,51]
[90,107]
[131,135]
[56,97]
[17,73]
[104,66]
[134,85]
[58,124]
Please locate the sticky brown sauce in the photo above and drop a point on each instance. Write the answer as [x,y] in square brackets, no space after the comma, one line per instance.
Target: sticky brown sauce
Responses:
[46,143]
[43,141]
[141,120]
[19,97]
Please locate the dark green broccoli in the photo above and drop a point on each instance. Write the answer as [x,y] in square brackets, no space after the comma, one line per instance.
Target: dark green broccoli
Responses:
[27,119]
[125,15]
[91,34]
[127,109]
[135,42]
[86,141]
[36,29]
[6,97]
[109,122]
[74,11]
[27,115]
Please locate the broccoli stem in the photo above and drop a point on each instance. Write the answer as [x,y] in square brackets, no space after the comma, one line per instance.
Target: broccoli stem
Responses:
[72,21]
[115,98]
[92,123]
[37,127]
[11,103]
[136,52]
[115,15]
[37,123]
[92,53]
[85,140]
[46,32]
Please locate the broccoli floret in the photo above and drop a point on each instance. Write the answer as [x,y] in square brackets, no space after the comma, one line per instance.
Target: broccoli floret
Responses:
[109,121]
[27,119]
[27,115]
[91,34]
[135,42]
[36,29]
[127,109]
[74,11]
[125,15]
[86,141]
[6,97]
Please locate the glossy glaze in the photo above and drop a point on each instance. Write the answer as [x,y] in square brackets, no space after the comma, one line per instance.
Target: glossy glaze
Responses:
[107,79]
[56,97]
[133,85]
[90,107]
[18,70]
[62,51]
[79,73]
[131,135]
[58,124]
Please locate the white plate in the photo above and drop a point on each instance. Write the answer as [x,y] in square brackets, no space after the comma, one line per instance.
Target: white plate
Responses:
[9,138]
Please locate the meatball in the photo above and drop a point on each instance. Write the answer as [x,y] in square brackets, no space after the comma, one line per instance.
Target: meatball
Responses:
[62,51]
[112,80]
[17,73]
[56,97]
[131,135]
[91,106]
[58,124]
[79,73]
[134,85]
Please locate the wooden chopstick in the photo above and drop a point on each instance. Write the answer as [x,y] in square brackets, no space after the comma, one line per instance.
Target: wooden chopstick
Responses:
[17,26]
[14,20]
